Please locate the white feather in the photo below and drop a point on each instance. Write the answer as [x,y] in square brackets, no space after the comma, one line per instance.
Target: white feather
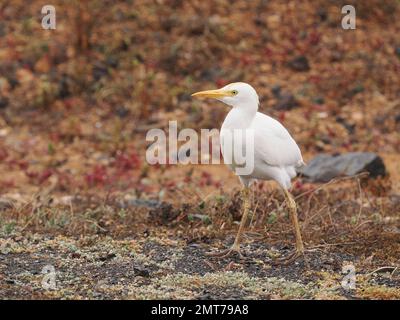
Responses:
[276,154]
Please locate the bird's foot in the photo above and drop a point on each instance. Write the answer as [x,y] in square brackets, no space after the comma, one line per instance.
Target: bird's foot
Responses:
[296,254]
[226,253]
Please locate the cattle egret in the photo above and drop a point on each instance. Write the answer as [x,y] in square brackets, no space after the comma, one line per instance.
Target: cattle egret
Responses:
[276,154]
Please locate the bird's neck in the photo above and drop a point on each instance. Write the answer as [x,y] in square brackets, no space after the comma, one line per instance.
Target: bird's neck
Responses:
[239,118]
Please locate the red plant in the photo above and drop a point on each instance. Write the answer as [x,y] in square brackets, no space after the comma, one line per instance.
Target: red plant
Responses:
[65,181]
[98,176]
[282,116]
[31,174]
[246,60]
[125,162]
[3,154]
[268,52]
[23,165]
[8,184]
[298,185]
[206,179]
[314,38]
[221,82]
[39,177]
[315,79]
[170,185]
[218,184]
[44,175]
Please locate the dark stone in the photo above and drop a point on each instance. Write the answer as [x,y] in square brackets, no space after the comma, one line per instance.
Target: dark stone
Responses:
[124,46]
[141,271]
[276,90]
[205,295]
[299,63]
[349,127]
[3,102]
[168,23]
[139,57]
[325,167]
[159,211]
[397,50]
[107,256]
[99,71]
[2,29]
[122,112]
[75,255]
[319,100]
[163,214]
[336,56]
[286,101]
[357,89]
[13,81]
[259,22]
[112,62]
[197,26]
[63,87]
[322,14]
[397,118]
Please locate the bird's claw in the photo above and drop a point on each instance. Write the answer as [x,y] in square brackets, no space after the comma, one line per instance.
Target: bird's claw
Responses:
[288,259]
[226,253]
[291,257]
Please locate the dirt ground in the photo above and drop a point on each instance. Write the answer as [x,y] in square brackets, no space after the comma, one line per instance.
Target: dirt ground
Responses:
[96,267]
[130,249]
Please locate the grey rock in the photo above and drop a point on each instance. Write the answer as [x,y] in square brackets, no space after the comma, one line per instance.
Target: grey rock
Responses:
[325,167]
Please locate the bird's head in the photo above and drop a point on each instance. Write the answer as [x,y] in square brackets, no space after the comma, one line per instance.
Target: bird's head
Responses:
[236,95]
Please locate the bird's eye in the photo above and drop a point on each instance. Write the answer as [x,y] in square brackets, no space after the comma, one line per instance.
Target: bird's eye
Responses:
[234,92]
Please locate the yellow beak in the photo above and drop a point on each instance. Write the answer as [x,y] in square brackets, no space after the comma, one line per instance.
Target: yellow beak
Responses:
[219,93]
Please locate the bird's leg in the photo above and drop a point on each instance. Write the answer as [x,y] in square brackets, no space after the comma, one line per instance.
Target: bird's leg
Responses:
[295,222]
[299,251]
[236,244]
[246,207]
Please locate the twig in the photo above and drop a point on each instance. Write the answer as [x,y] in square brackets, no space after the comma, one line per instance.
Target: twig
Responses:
[253,215]
[382,268]
[331,182]
[333,244]
[361,224]
[361,202]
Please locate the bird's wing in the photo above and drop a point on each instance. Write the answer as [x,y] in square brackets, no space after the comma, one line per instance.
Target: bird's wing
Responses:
[273,143]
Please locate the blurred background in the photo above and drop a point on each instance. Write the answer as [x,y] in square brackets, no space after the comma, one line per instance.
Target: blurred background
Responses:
[76,102]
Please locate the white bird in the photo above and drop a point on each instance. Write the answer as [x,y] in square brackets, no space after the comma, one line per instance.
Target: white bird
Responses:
[276,155]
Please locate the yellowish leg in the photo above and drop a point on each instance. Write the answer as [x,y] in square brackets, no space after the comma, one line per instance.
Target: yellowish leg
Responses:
[236,244]
[246,207]
[295,221]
